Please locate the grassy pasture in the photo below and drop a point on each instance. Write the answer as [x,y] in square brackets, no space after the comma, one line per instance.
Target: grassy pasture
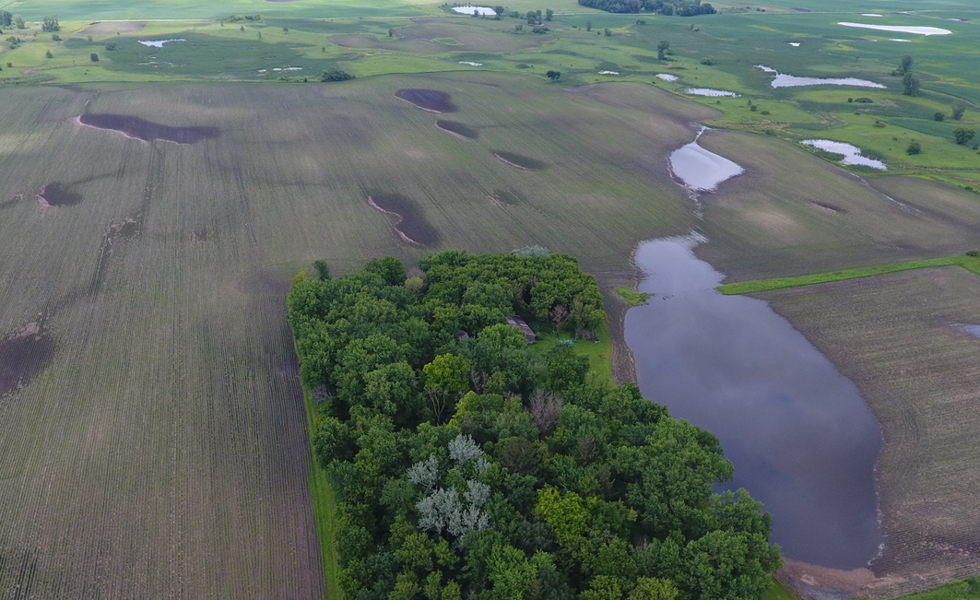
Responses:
[893,336]
[162,451]
[967,262]
[768,224]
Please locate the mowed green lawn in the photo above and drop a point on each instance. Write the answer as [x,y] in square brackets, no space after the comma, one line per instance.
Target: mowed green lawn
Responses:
[162,452]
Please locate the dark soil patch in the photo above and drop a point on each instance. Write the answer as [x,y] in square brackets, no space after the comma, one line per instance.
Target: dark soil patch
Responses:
[828,207]
[508,197]
[411,224]
[433,100]
[119,230]
[458,129]
[58,194]
[23,354]
[147,131]
[519,161]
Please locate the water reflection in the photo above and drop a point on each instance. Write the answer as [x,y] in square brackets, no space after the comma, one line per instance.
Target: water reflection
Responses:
[801,438]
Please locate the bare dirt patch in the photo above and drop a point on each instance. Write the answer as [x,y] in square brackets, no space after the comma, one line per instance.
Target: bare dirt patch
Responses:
[136,127]
[458,129]
[431,100]
[410,225]
[520,161]
[23,354]
[57,194]
[111,27]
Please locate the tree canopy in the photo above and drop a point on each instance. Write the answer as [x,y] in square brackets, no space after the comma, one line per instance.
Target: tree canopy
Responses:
[681,8]
[469,466]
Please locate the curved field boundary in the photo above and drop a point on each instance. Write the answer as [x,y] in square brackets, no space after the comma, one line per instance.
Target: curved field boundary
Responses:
[970,263]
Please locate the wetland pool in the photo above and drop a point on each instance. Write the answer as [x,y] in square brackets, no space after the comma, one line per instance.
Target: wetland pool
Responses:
[701,170]
[801,438]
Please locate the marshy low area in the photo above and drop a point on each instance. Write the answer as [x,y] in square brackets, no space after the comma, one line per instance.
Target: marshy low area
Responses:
[519,160]
[432,100]
[142,129]
[458,128]
[23,354]
[411,225]
[58,194]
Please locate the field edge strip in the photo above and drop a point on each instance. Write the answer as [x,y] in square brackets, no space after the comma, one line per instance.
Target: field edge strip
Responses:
[970,263]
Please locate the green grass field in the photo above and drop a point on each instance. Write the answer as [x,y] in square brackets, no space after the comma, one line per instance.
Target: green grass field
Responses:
[970,263]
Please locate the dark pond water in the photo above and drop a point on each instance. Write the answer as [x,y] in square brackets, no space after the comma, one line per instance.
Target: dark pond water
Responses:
[459,129]
[802,440]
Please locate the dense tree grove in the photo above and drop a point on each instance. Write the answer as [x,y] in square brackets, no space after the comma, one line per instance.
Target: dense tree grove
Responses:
[467,466]
[681,8]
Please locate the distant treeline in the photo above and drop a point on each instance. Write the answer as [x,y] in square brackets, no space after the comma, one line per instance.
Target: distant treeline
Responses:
[681,8]
[466,465]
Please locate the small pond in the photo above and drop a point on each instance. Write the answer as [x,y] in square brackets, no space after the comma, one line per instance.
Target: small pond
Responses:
[470,10]
[159,43]
[900,29]
[666,77]
[851,154]
[973,330]
[701,170]
[802,440]
[782,80]
[710,92]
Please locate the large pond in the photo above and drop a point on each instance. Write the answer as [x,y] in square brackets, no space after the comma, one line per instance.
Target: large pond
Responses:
[782,80]
[802,440]
[900,29]
[477,10]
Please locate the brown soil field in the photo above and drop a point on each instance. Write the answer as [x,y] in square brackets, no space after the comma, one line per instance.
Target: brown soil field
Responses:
[894,337]
[459,129]
[519,161]
[776,219]
[142,129]
[111,27]
[431,100]
[410,224]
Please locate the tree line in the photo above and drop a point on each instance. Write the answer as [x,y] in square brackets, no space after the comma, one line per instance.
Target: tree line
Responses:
[681,8]
[467,466]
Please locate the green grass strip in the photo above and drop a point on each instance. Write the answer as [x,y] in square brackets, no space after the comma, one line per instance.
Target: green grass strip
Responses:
[970,263]
[633,297]
[324,512]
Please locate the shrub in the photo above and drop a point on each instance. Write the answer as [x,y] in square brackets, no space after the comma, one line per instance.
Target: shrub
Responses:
[914,148]
[707,61]
[94,57]
[974,253]
[335,74]
[939,116]
[48,54]
[863,100]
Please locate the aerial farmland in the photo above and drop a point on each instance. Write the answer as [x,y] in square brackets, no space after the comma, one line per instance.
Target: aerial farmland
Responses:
[168,168]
